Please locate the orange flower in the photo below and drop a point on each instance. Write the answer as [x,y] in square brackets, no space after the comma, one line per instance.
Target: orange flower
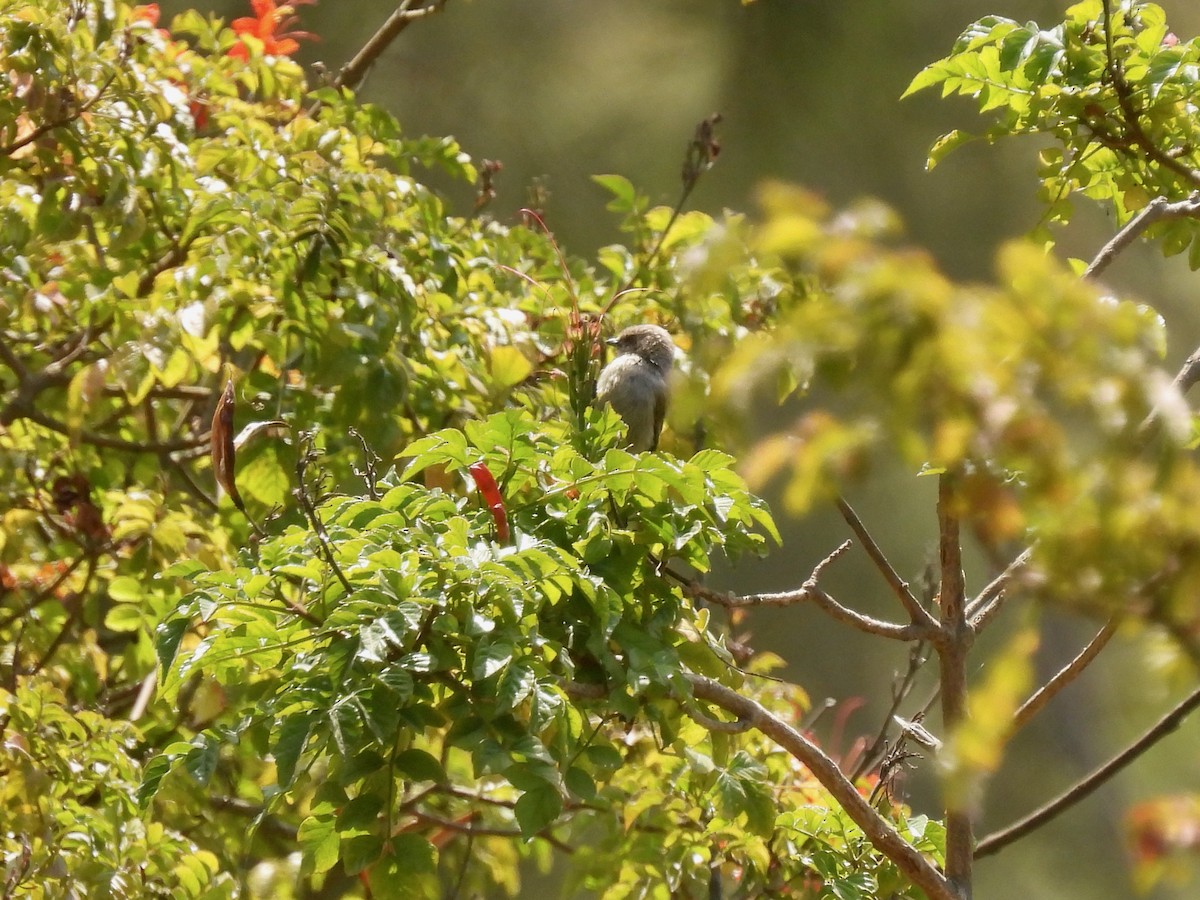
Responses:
[148,12]
[268,25]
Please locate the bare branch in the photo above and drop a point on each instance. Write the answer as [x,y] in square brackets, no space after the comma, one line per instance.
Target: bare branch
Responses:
[810,593]
[1065,675]
[472,829]
[916,612]
[878,830]
[981,610]
[1157,210]
[46,593]
[702,152]
[314,519]
[953,643]
[737,726]
[96,439]
[998,840]
[1189,372]
[242,807]
[352,74]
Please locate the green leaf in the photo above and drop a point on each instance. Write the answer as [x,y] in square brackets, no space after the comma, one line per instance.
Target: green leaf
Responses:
[319,842]
[406,871]
[169,635]
[517,683]
[490,658]
[201,760]
[580,783]
[152,777]
[419,765]
[537,809]
[946,144]
[624,195]
[360,812]
[360,851]
[293,735]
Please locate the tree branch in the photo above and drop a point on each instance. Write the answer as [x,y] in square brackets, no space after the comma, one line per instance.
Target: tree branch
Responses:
[879,831]
[1065,675]
[325,551]
[981,610]
[1189,372]
[1157,210]
[916,612]
[352,74]
[809,592]
[65,119]
[953,642]
[998,840]
[96,439]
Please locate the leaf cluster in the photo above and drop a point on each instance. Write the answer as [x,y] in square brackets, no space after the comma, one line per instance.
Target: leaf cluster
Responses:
[1113,89]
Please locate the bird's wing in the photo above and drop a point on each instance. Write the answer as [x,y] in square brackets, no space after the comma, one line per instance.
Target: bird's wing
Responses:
[660,413]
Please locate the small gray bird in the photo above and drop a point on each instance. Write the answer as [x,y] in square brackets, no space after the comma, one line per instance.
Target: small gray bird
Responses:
[635,382]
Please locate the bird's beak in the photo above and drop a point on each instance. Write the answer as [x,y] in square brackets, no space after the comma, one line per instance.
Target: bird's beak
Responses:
[612,342]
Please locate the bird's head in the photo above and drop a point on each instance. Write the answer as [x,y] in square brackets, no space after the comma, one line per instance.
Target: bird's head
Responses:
[650,342]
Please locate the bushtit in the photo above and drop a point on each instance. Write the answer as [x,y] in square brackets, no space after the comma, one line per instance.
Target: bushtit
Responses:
[635,382]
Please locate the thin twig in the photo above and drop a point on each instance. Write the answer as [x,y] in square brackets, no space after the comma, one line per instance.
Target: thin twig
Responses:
[738,726]
[66,119]
[917,657]
[998,840]
[253,810]
[492,831]
[46,593]
[72,618]
[981,610]
[1189,372]
[1065,675]
[13,412]
[314,519]
[916,612]
[702,152]
[882,835]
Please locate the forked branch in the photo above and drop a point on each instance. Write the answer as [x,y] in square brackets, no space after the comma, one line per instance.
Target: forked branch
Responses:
[916,612]
[810,593]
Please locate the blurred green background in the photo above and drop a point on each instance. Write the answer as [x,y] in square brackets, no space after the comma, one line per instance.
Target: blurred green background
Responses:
[564,89]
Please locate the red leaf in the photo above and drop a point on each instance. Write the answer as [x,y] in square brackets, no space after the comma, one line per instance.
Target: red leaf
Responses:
[223,452]
[491,495]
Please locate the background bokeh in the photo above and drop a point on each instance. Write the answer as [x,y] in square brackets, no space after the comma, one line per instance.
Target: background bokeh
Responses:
[564,89]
